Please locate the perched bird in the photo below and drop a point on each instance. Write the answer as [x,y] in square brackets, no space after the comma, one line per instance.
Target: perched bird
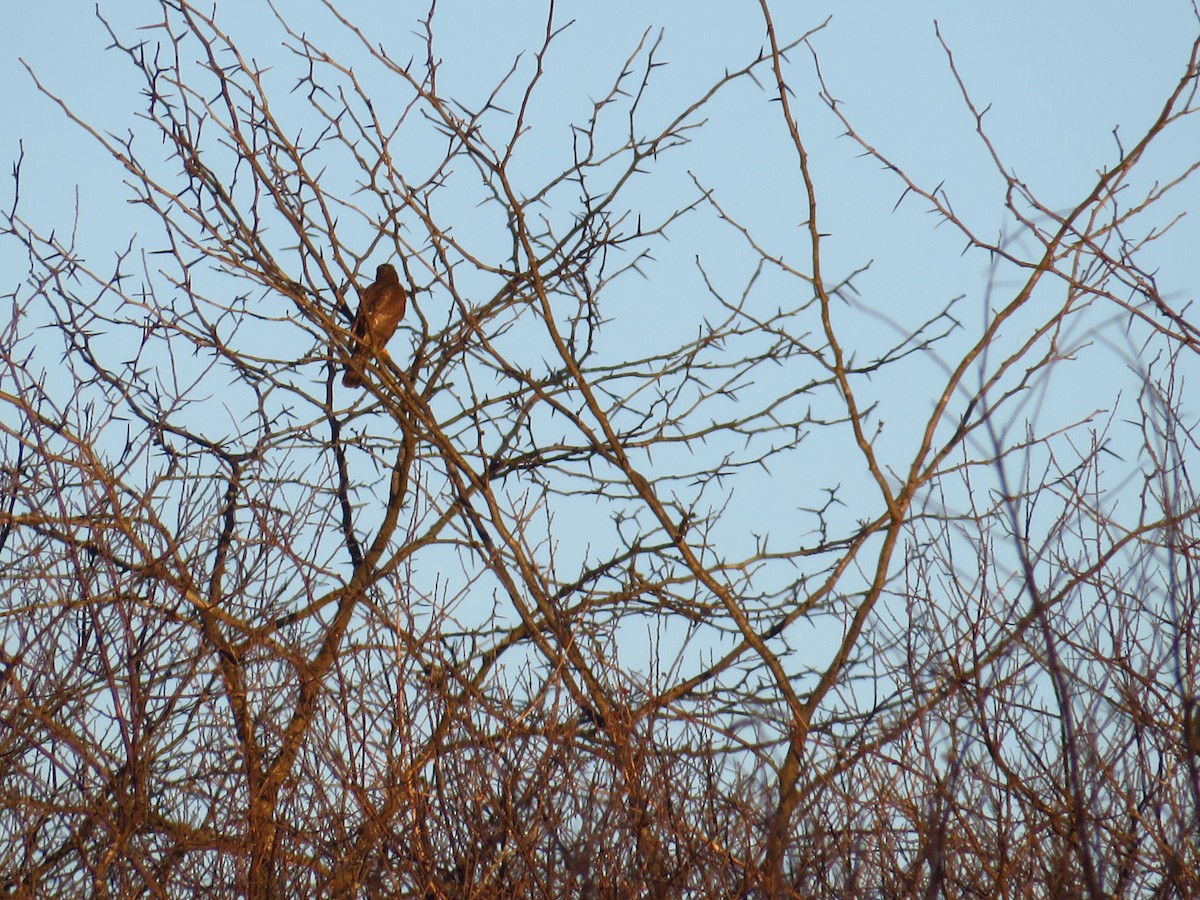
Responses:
[380,310]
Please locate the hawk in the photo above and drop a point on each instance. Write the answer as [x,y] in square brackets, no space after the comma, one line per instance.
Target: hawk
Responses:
[379,312]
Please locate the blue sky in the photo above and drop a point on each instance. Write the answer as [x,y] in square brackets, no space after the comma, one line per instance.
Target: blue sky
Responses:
[1057,79]
[1059,76]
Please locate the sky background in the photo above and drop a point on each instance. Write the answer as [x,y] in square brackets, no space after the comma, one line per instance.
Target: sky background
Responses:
[1057,79]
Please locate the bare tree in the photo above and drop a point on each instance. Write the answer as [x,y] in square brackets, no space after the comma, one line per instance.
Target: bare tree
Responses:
[496,625]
